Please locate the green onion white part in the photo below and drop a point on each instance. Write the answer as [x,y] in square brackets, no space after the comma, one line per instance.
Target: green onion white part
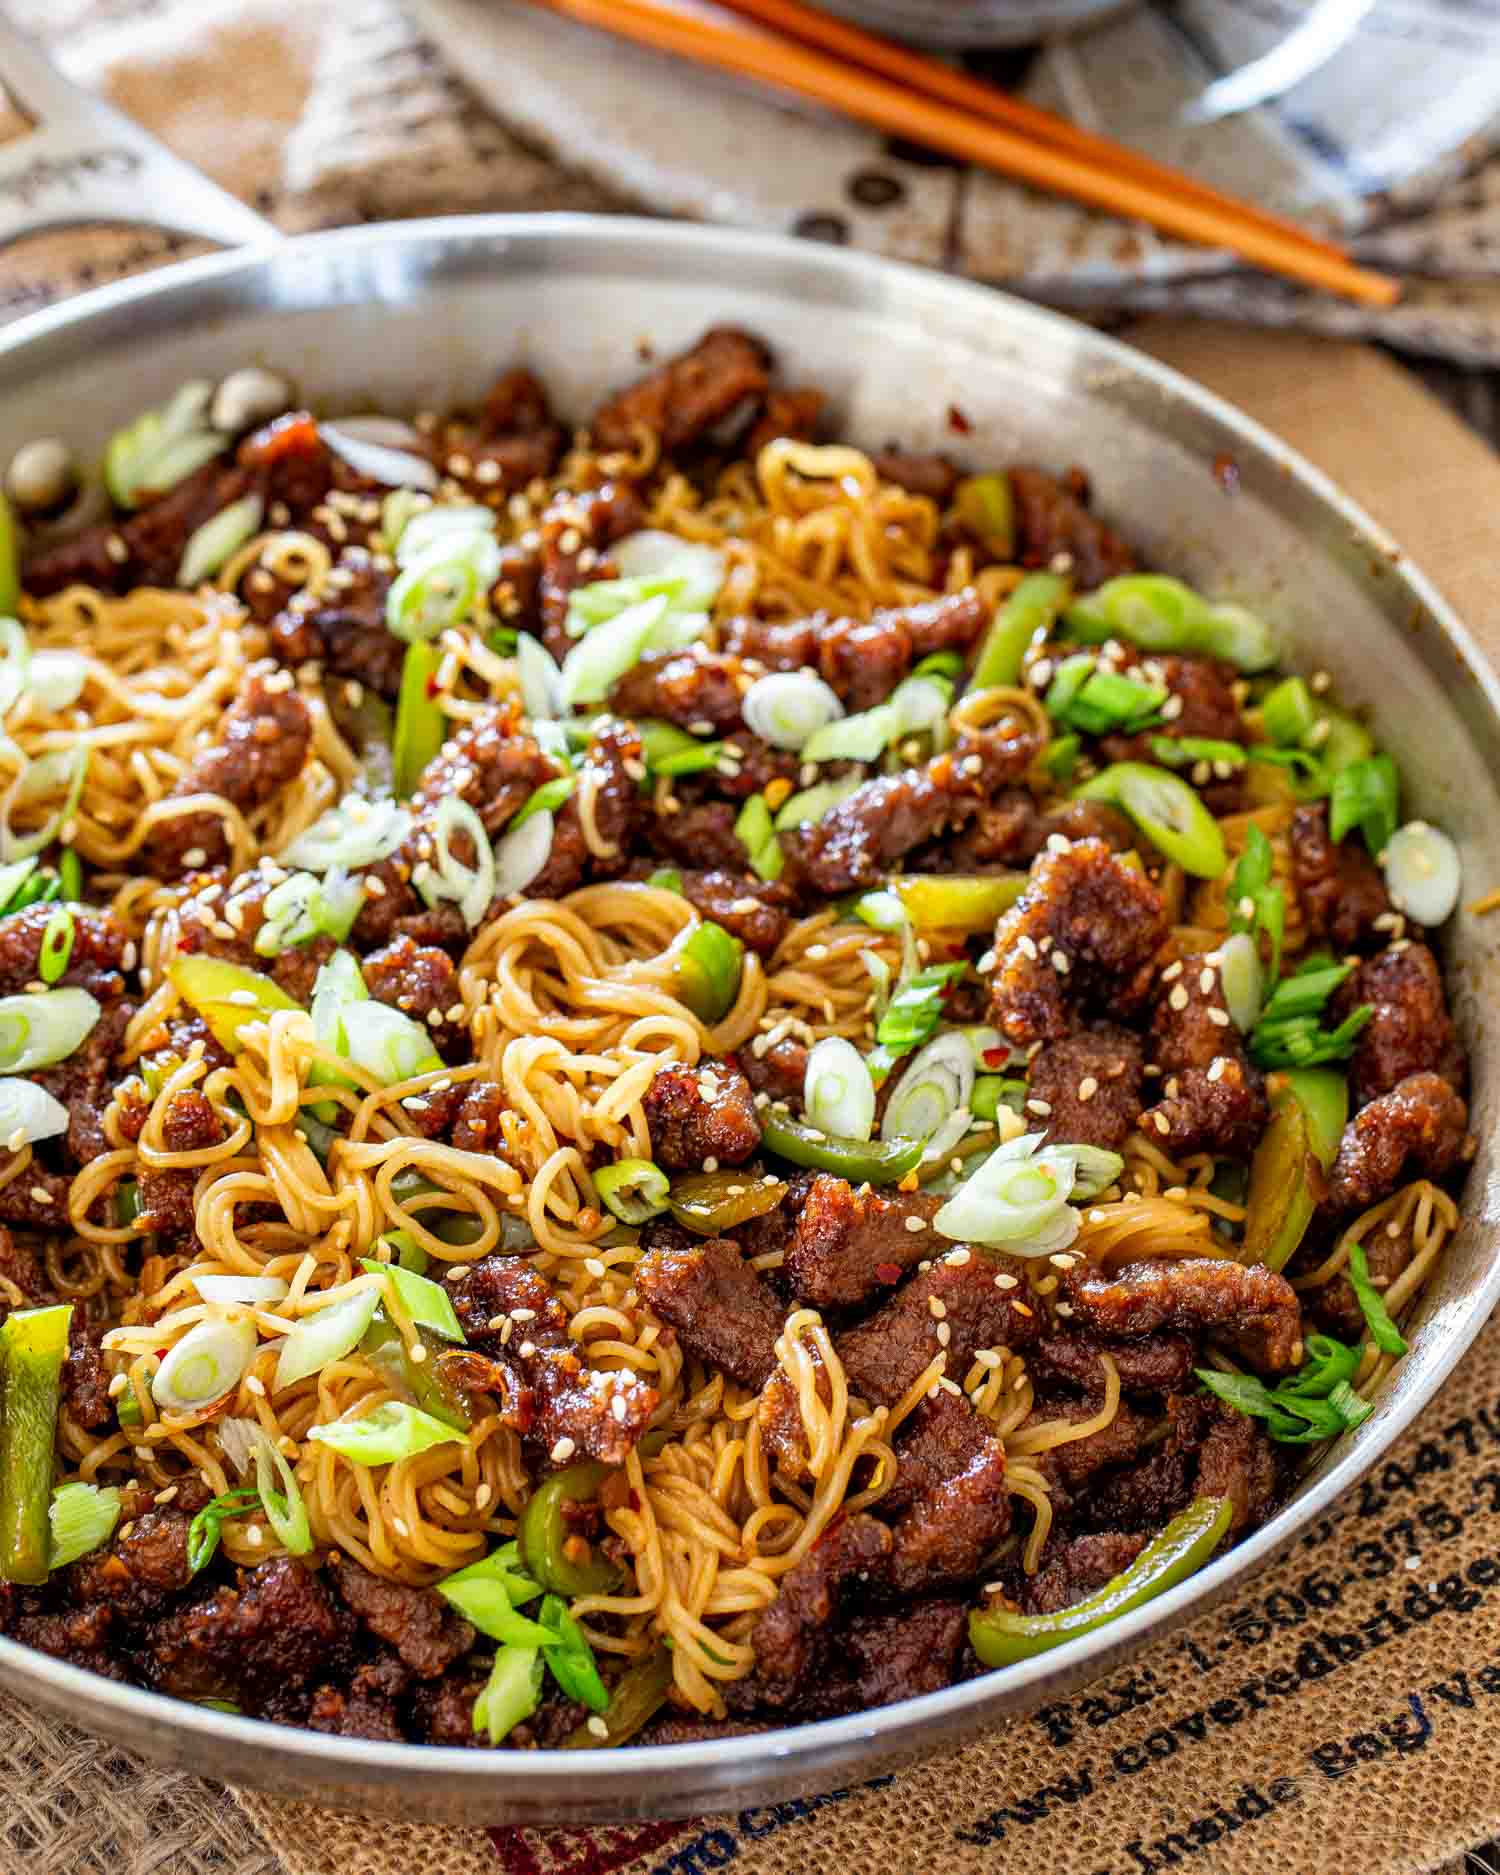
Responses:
[787,708]
[40,1029]
[838,1095]
[325,1336]
[387,1044]
[57,678]
[220,537]
[1423,873]
[541,678]
[1243,980]
[384,1436]
[443,585]
[208,1362]
[28,1113]
[444,875]
[522,853]
[397,468]
[252,1291]
[285,1508]
[43,776]
[162,447]
[356,833]
[303,907]
[82,1518]
[597,662]
[938,1084]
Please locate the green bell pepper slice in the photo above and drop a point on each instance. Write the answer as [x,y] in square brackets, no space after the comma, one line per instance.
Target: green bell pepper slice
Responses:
[711,1203]
[544,1533]
[227,995]
[1280,1200]
[1167,811]
[33,1344]
[986,508]
[861,1161]
[1030,610]
[935,901]
[1001,1638]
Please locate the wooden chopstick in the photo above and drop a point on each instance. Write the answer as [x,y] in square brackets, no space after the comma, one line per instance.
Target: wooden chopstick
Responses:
[922,119]
[936,80]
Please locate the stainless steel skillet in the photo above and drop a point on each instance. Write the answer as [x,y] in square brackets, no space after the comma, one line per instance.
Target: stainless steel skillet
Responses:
[418,313]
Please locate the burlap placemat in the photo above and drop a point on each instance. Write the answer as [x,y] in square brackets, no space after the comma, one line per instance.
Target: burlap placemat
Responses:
[1344,1713]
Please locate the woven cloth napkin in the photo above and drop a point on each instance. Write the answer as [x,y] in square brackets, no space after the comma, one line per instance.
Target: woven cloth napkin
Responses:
[1344,1713]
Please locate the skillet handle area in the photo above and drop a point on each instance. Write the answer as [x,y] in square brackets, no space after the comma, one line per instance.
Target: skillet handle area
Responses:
[83,162]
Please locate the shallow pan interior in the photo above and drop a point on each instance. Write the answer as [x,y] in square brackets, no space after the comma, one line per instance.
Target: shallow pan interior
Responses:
[420,314]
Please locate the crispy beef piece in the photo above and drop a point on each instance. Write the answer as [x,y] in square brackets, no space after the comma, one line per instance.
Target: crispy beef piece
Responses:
[1013,828]
[82,1082]
[856,841]
[265,1642]
[1091,1081]
[1418,1129]
[888,1350]
[367,1709]
[442,1711]
[796,1634]
[517,592]
[756,911]
[703,835]
[862,659]
[290,462]
[78,1635]
[1339,887]
[1052,517]
[554,1720]
[153,538]
[1069,1467]
[721,1310]
[203,919]
[516,404]
[575,531]
[1155,1364]
[476,1126]
[1073,1567]
[346,632]
[687,395]
[613,752]
[689,688]
[22,1268]
[95,963]
[492,764]
[1335,1307]
[1213,1100]
[1210,1451]
[751,767]
[85,1382]
[880,1658]
[1254,1310]
[1410,1032]
[1105,919]
[189,1125]
[780,1072]
[264,739]
[425,1632]
[1209,711]
[949,1497]
[37,1199]
[772,1230]
[701,1113]
[141,1570]
[552,1393]
[420,980]
[497,466]
[849,1245]
[688,1728]
[933,476]
[792,414]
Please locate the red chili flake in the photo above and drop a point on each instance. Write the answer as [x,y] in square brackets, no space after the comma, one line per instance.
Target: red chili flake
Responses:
[295,434]
[958,421]
[996,1057]
[888,1272]
[431,686]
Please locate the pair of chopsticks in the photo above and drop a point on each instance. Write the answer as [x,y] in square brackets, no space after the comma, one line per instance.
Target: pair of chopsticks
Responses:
[904,94]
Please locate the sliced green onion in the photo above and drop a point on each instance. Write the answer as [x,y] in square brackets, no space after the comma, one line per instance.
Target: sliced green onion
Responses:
[838,1095]
[1326,1363]
[1162,614]
[502,1565]
[162,446]
[445,876]
[29,1110]
[428,525]
[227,995]
[632,1190]
[254,1291]
[1253,903]
[1240,975]
[1026,618]
[57,678]
[1364,794]
[57,945]
[666,879]
[82,1518]
[426,1302]
[521,853]
[338,983]
[546,799]
[653,553]
[389,1433]
[325,1336]
[40,1029]
[756,832]
[286,1509]
[1345,739]
[882,911]
[1095,1169]
[813,803]
[697,760]
[1060,758]
[1107,702]
[994,1091]
[1423,873]
[912,1015]
[1288,712]
[486,1602]
[707,972]
[1306,991]
[597,663]
[986,508]
[15,663]
[541,678]
[511,1694]
[859,738]
[938,1084]
[442,585]
[302,907]
[388,1044]
[1383,1330]
[788,708]
[378,461]
[570,1658]
[1018,1198]
[1167,811]
[12,879]
[220,537]
[209,1361]
[206,1528]
[354,834]
[1187,751]
[421,727]
[62,768]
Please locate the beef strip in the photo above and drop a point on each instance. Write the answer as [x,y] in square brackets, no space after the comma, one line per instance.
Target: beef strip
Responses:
[795,1634]
[756,911]
[1213,1099]
[442,1710]
[721,1310]
[576,531]
[189,1124]
[702,835]
[1052,518]
[264,739]
[1410,1032]
[862,659]
[1339,887]
[37,1199]
[1069,1467]
[696,689]
[552,1395]
[95,963]
[490,763]
[1210,1451]
[368,1707]
[143,549]
[20,1268]
[1013,828]
[1335,1305]
[1155,1364]
[1254,1310]
[701,1113]
[780,1070]
[1418,1129]
[884,1657]
[689,394]
[237,905]
[422,982]
[476,1126]
[1072,1568]
[1105,920]
[344,629]
[933,476]
[83,1082]
[793,414]
[948,1498]
[425,1632]
[849,1245]
[85,1379]
[608,777]
[856,841]
[1091,1085]
[137,1575]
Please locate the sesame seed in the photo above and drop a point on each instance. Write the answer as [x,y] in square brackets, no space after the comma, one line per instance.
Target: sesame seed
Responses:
[1206,981]
[194,856]
[1216,1068]
[1171,709]
[916,1224]
[1027,947]
[593,1266]
[1088,1087]
[936,1308]
[1058,843]
[118,1385]
[1060,963]
[595,1726]
[254,1536]
[563,1451]
[944,1334]
[710,1164]
[1179,997]
[1039,1107]
[17,1140]
[41,1194]
[115,547]
[1063,1308]
[1219,1017]
[1161,1123]
[1174,970]
[959,1257]
[1005,1280]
